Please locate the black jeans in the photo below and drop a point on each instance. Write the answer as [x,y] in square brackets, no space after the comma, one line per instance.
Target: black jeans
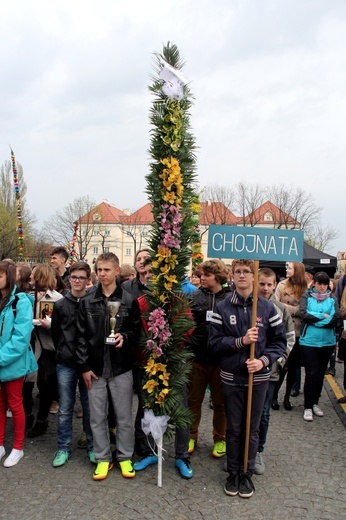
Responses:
[315,361]
[236,408]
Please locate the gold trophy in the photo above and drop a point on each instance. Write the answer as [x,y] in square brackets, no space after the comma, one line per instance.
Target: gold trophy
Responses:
[113,311]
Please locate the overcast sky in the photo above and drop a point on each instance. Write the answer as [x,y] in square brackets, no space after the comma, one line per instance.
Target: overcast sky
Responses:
[268,76]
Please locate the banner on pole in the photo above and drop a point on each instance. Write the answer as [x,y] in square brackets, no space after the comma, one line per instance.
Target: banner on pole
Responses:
[255,243]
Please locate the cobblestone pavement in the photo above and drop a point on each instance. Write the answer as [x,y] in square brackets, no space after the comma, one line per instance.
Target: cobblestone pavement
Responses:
[304,478]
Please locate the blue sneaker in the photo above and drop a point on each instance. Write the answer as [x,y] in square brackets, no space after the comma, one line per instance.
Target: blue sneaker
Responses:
[184,467]
[143,463]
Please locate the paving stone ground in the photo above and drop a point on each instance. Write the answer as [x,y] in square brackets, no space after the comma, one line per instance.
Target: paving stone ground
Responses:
[304,478]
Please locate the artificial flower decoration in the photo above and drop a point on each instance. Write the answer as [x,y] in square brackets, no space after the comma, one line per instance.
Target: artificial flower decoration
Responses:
[172,193]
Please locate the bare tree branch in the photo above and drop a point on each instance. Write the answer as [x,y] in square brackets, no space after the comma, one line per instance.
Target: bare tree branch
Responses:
[248,198]
[60,227]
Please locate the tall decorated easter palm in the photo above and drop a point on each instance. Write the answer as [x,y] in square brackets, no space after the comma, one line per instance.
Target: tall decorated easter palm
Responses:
[175,206]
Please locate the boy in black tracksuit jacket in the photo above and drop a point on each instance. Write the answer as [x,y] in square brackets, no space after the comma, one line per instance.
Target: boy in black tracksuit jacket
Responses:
[231,335]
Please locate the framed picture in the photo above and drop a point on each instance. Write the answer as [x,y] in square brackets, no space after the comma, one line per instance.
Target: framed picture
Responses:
[46,309]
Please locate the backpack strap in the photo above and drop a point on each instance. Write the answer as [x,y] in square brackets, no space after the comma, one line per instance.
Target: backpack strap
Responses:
[14,305]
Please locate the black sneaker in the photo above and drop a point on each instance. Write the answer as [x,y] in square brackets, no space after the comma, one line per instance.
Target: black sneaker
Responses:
[246,487]
[40,428]
[232,485]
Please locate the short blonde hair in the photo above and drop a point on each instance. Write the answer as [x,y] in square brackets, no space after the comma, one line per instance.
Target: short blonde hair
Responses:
[44,277]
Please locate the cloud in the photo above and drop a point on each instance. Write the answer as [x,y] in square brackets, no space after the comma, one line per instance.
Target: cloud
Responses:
[268,77]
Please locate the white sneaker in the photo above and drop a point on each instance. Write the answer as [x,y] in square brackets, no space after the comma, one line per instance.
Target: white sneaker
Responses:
[2,452]
[260,467]
[317,410]
[13,458]
[308,415]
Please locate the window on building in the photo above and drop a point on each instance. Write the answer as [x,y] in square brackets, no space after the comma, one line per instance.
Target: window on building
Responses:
[268,216]
[95,250]
[106,249]
[95,232]
[128,251]
[107,233]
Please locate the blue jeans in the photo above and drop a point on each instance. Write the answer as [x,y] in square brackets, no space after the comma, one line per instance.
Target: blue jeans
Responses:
[68,378]
[264,424]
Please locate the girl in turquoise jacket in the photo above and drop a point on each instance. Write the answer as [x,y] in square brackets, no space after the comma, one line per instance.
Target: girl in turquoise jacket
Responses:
[16,357]
[319,313]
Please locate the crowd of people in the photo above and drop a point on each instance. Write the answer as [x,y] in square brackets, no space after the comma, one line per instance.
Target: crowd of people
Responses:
[74,332]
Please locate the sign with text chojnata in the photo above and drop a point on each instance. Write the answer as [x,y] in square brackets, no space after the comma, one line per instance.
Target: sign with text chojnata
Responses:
[255,243]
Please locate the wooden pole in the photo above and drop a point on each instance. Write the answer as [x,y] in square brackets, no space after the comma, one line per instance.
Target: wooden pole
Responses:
[252,355]
[159,457]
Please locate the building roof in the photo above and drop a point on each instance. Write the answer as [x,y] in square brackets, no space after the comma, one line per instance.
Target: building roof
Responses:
[211,213]
[216,213]
[257,217]
[142,216]
[108,212]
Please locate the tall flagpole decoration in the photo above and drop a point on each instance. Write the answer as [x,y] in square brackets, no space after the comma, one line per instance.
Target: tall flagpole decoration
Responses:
[72,245]
[172,193]
[19,217]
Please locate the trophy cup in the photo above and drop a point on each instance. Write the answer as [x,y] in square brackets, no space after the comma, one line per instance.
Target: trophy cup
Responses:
[113,311]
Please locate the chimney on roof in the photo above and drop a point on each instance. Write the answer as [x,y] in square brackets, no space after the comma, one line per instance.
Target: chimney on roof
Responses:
[209,202]
[127,211]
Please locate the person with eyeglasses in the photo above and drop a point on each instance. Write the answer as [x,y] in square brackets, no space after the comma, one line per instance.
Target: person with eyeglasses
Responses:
[64,331]
[231,334]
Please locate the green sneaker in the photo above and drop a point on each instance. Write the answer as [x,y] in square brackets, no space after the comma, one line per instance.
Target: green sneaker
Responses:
[192,443]
[91,456]
[219,449]
[60,458]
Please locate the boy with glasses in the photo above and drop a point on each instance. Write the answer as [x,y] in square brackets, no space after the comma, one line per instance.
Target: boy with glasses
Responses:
[231,334]
[64,333]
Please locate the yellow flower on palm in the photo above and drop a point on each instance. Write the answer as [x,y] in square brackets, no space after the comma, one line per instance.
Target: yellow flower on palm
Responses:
[162,395]
[196,208]
[165,269]
[172,261]
[162,253]
[149,365]
[161,367]
[150,385]
[171,279]
[169,197]
[165,378]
